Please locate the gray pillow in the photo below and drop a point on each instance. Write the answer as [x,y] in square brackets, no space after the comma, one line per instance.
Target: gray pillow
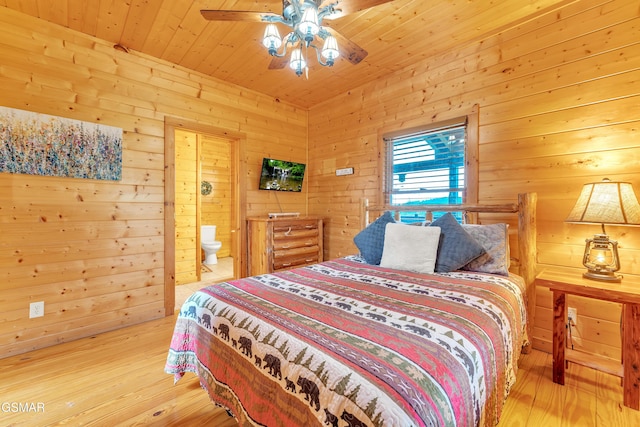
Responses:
[370,241]
[457,248]
[495,240]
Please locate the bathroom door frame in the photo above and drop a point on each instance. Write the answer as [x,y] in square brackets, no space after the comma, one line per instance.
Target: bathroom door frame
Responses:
[238,217]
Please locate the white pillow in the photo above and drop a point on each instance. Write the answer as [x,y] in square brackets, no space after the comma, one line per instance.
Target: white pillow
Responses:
[410,248]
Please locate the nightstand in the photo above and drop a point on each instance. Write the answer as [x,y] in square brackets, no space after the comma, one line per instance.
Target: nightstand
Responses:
[570,282]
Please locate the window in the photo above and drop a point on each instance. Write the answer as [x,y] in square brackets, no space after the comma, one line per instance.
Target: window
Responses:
[428,165]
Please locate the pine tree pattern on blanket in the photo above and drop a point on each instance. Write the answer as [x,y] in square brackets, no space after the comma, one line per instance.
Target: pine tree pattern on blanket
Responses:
[364,345]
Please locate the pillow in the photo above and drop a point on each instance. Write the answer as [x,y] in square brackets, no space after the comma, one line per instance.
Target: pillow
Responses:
[495,240]
[371,240]
[410,248]
[457,248]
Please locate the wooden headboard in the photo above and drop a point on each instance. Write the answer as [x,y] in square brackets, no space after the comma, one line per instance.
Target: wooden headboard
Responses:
[525,209]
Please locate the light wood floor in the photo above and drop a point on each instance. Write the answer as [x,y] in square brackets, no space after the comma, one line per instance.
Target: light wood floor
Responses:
[117,378]
[217,273]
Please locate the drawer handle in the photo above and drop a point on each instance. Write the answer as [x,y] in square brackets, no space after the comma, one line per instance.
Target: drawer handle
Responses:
[286,264]
[286,233]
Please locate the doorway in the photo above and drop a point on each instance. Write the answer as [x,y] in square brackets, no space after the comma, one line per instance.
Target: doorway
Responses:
[214,164]
[185,144]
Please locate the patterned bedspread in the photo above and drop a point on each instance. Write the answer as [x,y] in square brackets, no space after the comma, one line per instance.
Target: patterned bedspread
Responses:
[343,343]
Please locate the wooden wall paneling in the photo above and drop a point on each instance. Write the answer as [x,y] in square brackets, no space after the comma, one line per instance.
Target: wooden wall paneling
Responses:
[579,117]
[62,251]
[91,249]
[557,108]
[186,207]
[69,329]
[581,142]
[399,98]
[17,297]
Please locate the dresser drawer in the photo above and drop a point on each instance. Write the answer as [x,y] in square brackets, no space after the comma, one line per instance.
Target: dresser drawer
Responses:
[284,244]
[284,263]
[295,252]
[286,226]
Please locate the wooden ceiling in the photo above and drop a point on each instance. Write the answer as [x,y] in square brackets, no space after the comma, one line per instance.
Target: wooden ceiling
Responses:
[396,35]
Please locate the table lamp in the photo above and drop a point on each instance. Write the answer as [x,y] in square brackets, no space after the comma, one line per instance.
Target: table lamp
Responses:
[605,202]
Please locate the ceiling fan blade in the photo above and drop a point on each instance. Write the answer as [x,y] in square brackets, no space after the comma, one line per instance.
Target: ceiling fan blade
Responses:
[349,50]
[278,62]
[346,7]
[235,15]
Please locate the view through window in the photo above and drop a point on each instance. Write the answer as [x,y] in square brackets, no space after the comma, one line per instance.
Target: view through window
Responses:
[426,167]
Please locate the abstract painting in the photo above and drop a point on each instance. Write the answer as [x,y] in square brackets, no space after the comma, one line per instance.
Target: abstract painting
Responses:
[39,144]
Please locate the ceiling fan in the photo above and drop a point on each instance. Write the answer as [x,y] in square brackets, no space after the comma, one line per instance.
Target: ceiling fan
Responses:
[304,21]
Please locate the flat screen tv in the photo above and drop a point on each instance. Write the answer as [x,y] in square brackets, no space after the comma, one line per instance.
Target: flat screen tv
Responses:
[280,175]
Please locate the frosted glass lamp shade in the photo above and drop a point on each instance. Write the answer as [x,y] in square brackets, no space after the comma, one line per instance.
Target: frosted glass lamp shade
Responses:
[308,26]
[297,62]
[330,49]
[271,39]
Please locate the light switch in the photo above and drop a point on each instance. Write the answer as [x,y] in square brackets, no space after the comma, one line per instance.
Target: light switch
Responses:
[344,171]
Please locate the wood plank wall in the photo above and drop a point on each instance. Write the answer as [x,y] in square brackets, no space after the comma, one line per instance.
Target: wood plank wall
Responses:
[187,207]
[93,251]
[558,107]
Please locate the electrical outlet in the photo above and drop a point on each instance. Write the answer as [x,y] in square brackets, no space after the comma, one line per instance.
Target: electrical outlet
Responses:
[36,309]
[572,313]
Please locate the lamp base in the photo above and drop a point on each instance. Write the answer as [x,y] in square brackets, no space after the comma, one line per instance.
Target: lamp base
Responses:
[602,276]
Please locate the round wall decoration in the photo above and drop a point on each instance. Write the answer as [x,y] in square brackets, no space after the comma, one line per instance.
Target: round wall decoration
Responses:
[205,188]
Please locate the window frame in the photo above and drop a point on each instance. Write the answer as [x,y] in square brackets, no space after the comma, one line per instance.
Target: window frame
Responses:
[471,174]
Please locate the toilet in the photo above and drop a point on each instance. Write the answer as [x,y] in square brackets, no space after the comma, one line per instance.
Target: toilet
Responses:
[209,243]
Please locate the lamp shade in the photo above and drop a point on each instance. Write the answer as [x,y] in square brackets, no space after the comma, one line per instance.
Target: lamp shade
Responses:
[298,61]
[606,202]
[271,39]
[309,27]
[330,49]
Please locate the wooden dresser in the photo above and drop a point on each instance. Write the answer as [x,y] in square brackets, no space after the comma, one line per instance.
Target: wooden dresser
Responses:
[281,243]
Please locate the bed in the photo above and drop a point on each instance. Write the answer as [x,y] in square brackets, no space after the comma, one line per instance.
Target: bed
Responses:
[350,343]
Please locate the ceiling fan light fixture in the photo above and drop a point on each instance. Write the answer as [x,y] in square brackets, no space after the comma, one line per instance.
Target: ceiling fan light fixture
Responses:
[297,63]
[271,39]
[304,18]
[330,50]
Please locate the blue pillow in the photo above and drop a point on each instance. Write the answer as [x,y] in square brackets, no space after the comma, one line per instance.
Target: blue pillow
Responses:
[456,248]
[370,241]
